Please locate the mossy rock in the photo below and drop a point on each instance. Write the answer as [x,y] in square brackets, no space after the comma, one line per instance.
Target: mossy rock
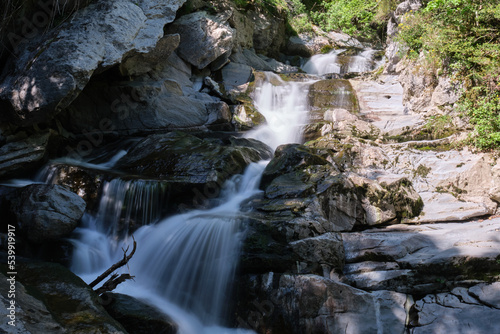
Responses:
[289,158]
[71,302]
[331,94]
[181,157]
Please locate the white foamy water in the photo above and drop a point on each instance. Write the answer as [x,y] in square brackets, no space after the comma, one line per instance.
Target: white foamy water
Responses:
[323,63]
[285,107]
[363,61]
[185,264]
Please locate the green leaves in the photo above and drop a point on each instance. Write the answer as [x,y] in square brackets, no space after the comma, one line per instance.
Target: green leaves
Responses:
[465,36]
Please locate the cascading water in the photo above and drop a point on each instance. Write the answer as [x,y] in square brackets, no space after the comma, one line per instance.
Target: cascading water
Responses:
[338,62]
[362,62]
[322,64]
[285,107]
[185,264]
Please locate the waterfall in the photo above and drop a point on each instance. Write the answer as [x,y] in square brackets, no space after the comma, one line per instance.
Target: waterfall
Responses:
[185,264]
[285,107]
[322,64]
[339,62]
[362,62]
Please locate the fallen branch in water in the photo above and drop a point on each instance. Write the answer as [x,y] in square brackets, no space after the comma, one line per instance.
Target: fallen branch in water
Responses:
[113,282]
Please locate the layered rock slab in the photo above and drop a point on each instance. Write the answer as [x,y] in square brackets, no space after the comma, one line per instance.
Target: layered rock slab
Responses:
[422,259]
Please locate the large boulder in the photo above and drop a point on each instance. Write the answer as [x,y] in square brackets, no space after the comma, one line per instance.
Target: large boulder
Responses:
[204,38]
[269,33]
[180,156]
[137,316]
[46,212]
[51,299]
[195,168]
[326,95]
[142,63]
[47,78]
[288,159]
[306,44]
[164,98]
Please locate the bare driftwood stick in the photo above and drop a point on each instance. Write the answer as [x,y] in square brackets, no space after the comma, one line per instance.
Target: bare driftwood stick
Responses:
[113,282]
[115,266]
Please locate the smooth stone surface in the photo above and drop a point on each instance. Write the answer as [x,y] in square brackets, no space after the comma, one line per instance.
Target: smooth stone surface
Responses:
[68,299]
[324,249]
[382,103]
[204,38]
[137,316]
[446,313]
[426,245]
[31,315]
[46,212]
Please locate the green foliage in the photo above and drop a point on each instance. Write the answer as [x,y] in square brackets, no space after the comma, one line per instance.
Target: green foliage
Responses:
[484,113]
[439,126]
[463,36]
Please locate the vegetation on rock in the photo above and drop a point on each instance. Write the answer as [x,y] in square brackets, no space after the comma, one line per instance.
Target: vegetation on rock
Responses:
[462,37]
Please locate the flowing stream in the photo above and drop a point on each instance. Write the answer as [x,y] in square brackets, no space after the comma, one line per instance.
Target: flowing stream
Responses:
[185,264]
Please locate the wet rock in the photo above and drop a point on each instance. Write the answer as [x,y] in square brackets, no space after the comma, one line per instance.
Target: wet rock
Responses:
[449,312]
[46,212]
[331,94]
[72,306]
[247,117]
[23,155]
[136,316]
[47,78]
[204,38]
[185,157]
[291,185]
[194,168]
[313,304]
